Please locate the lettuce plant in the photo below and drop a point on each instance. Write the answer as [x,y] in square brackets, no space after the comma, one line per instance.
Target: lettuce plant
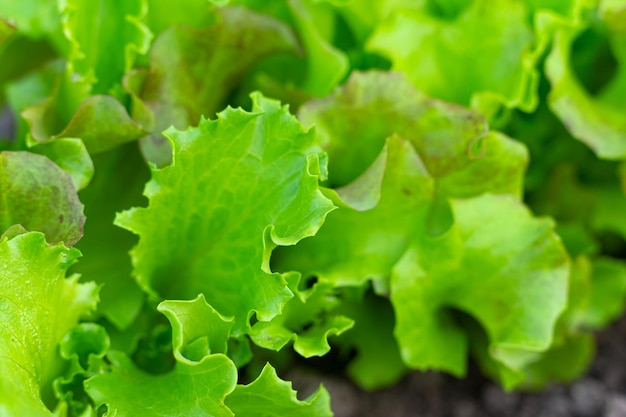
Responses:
[193,197]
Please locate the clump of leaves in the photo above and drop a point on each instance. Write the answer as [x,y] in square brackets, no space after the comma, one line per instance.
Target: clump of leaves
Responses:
[168,247]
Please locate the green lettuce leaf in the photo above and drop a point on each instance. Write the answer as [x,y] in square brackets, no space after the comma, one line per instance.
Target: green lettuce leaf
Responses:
[428,43]
[307,319]
[38,306]
[218,242]
[69,109]
[198,330]
[419,151]
[71,156]
[193,71]
[40,196]
[100,121]
[270,396]
[191,389]
[321,66]
[593,117]
[354,122]
[418,199]
[359,245]
[105,39]
[498,264]
[54,105]
[326,65]
[163,14]
[596,297]
[84,346]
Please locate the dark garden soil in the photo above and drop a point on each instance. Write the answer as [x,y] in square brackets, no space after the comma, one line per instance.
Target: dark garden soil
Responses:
[600,393]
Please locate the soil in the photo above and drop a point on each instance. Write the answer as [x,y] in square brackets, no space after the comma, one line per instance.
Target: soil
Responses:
[601,392]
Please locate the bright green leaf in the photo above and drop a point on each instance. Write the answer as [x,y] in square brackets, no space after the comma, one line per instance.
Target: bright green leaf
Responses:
[201,234]
[454,143]
[38,306]
[197,329]
[595,118]
[189,390]
[433,151]
[428,44]
[105,37]
[100,121]
[269,396]
[84,346]
[308,320]
[84,341]
[326,65]
[358,245]
[498,264]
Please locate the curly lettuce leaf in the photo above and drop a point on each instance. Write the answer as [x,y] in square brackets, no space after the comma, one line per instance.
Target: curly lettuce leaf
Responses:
[197,329]
[84,346]
[421,193]
[83,99]
[191,389]
[428,43]
[308,320]
[326,65]
[101,121]
[454,143]
[193,71]
[419,151]
[320,67]
[593,117]
[498,264]
[38,306]
[105,39]
[40,196]
[597,290]
[55,105]
[238,187]
[359,245]
[270,396]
